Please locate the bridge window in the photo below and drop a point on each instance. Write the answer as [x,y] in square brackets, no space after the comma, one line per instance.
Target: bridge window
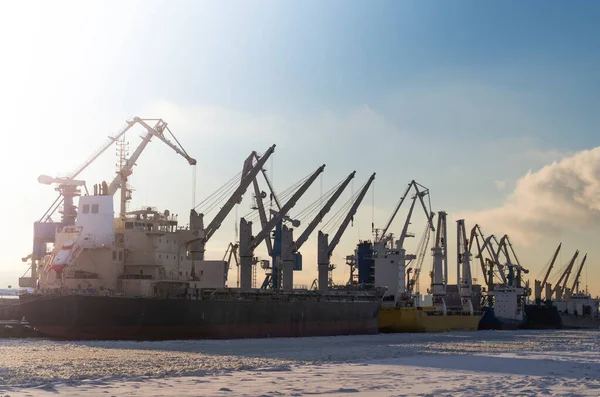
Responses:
[94,208]
[86,208]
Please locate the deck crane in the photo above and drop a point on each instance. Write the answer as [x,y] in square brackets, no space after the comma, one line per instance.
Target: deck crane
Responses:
[413,283]
[561,284]
[464,264]
[493,262]
[478,238]
[68,188]
[290,247]
[248,243]
[384,237]
[259,196]
[401,293]
[440,261]
[196,246]
[230,253]
[325,248]
[158,130]
[540,286]
[506,248]
[575,287]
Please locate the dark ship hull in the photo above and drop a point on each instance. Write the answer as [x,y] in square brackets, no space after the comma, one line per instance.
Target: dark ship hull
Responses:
[252,315]
[571,321]
[489,321]
[542,317]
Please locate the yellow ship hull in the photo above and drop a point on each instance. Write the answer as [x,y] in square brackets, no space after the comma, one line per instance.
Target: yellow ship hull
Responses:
[425,319]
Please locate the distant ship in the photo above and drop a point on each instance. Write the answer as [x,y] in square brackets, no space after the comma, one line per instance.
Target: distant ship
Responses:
[384,263]
[564,307]
[141,276]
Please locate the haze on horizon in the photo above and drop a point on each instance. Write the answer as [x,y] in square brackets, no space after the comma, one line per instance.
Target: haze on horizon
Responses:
[492,106]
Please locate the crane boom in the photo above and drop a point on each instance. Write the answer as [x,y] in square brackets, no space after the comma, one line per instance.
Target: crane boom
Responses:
[389,222]
[162,127]
[326,208]
[284,210]
[262,213]
[112,139]
[551,266]
[157,131]
[487,244]
[406,223]
[576,281]
[236,196]
[420,195]
[349,216]
[564,277]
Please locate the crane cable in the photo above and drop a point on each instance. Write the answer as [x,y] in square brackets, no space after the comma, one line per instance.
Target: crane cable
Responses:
[336,219]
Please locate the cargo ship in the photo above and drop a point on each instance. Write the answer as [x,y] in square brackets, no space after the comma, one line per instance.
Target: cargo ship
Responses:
[141,276]
[206,314]
[506,309]
[383,262]
[563,307]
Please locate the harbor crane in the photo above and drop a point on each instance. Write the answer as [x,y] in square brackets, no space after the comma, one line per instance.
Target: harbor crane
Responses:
[325,248]
[248,243]
[69,187]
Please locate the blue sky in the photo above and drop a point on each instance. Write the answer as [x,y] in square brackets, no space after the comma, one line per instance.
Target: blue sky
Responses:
[464,96]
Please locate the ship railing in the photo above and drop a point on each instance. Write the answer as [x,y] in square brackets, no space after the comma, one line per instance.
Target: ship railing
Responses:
[259,294]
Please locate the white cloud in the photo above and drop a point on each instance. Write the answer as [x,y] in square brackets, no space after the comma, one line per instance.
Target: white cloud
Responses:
[500,185]
[564,195]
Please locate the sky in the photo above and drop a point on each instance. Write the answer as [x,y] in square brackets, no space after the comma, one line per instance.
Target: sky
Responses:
[491,105]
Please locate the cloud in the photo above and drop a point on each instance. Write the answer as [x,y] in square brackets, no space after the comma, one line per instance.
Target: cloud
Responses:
[500,185]
[564,195]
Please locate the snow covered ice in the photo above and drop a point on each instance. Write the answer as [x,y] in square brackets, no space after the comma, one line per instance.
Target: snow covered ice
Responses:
[485,363]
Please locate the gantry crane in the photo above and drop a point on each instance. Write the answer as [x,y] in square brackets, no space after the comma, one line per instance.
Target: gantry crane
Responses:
[248,243]
[325,249]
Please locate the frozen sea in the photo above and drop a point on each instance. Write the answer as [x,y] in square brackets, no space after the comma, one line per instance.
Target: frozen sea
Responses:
[485,363]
